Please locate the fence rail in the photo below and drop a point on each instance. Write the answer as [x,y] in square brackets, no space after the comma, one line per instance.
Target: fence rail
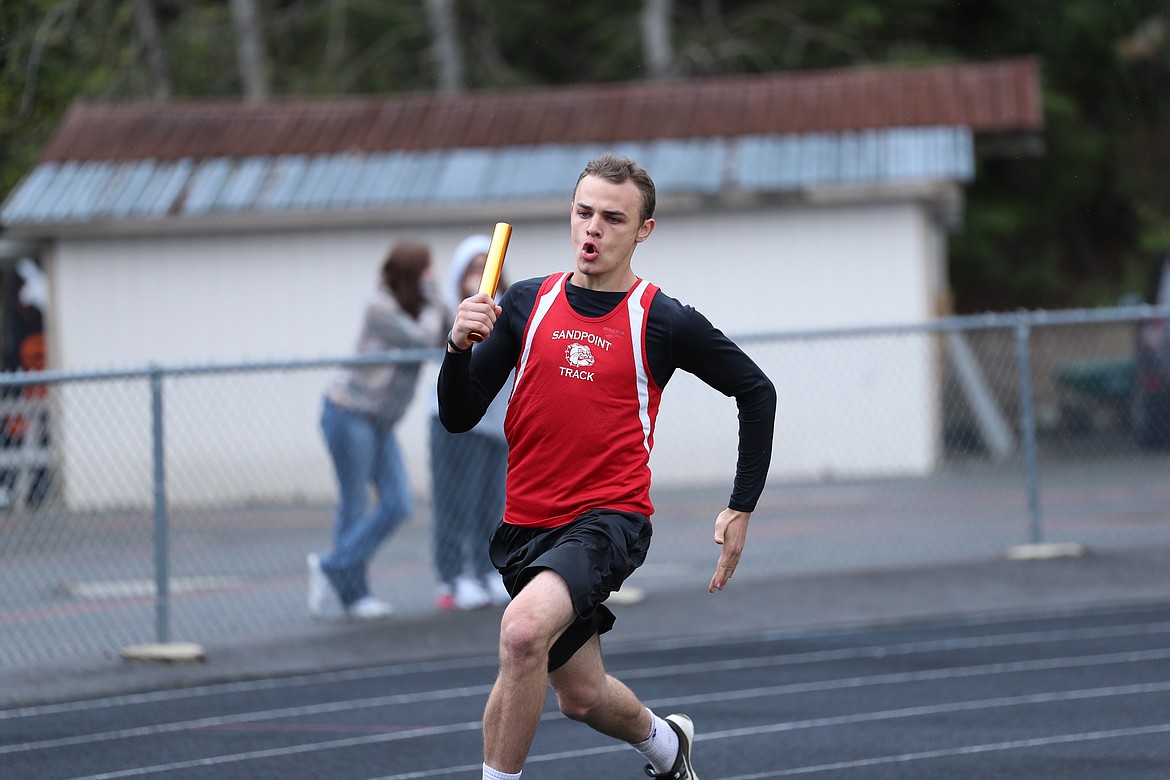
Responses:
[180,501]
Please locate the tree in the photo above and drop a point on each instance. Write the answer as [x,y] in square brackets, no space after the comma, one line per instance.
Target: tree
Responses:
[1081,224]
[656,43]
[147,26]
[445,49]
[250,50]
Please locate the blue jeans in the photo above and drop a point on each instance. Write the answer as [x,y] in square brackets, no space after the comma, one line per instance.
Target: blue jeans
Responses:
[363,453]
[469,471]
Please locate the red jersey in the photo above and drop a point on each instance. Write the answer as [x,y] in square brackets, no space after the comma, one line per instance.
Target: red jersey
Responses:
[580,423]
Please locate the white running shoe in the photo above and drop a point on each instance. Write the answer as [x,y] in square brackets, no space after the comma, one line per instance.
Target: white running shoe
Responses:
[321,593]
[682,769]
[469,594]
[369,608]
[496,591]
[626,595]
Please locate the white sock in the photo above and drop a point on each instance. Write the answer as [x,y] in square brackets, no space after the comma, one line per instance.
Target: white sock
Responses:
[661,747]
[495,774]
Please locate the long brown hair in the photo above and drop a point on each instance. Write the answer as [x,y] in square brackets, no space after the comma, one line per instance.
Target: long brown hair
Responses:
[402,273]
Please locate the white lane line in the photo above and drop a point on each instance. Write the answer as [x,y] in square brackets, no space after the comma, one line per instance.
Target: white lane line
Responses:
[890,715]
[968,750]
[101,590]
[789,659]
[925,625]
[249,686]
[348,705]
[775,728]
[786,689]
[928,675]
[220,721]
[281,752]
[907,648]
[906,712]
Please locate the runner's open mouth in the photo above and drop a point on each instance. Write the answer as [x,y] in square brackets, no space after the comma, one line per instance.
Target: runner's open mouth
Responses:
[590,248]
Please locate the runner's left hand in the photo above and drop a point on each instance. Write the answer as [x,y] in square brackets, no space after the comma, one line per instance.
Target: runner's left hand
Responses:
[731,533]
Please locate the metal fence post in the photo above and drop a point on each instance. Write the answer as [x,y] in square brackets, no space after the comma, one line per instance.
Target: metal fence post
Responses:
[1028,426]
[161,575]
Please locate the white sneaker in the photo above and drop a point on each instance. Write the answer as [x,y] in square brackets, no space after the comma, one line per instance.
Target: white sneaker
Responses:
[626,595]
[469,594]
[369,608]
[496,591]
[321,592]
[682,769]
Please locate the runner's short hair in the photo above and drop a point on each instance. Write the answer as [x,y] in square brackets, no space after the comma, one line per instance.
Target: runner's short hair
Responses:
[617,169]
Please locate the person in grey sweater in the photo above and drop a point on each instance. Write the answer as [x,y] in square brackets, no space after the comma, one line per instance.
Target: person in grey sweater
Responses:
[358,417]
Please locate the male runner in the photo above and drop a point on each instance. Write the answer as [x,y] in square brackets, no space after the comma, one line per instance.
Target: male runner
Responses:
[592,350]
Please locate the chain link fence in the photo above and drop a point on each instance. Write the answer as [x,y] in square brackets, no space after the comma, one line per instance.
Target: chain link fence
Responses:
[180,502]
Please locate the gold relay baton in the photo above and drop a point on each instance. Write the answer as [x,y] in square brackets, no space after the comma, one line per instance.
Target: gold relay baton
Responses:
[494,265]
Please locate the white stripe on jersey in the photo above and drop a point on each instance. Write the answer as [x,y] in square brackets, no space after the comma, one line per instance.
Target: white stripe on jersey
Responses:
[541,309]
[637,318]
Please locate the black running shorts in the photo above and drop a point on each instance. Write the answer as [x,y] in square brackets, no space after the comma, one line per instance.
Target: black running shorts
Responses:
[594,554]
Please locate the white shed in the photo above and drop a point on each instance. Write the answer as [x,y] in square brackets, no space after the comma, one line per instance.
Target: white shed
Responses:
[214,232]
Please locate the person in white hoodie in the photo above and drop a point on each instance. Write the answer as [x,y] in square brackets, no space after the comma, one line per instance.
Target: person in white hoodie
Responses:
[468,472]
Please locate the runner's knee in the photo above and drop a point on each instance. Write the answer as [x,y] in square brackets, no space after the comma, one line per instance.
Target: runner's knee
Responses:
[579,702]
[523,638]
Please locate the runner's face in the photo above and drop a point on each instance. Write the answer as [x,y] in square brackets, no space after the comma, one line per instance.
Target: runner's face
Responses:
[605,228]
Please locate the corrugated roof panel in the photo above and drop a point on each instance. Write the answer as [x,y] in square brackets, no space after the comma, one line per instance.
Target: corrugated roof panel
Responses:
[67,205]
[346,173]
[322,182]
[463,176]
[964,151]
[934,156]
[22,201]
[88,196]
[507,174]
[242,188]
[915,154]
[45,209]
[377,179]
[80,192]
[792,162]
[315,180]
[903,156]
[419,172]
[530,172]
[858,157]
[159,196]
[695,164]
[399,172]
[348,176]
[284,177]
[766,163]
[133,180]
[818,160]
[206,183]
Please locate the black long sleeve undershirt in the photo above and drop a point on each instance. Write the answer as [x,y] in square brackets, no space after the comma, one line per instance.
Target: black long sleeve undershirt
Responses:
[677,337]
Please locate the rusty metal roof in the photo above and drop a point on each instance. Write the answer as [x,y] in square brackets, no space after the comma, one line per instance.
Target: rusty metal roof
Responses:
[112,162]
[1001,96]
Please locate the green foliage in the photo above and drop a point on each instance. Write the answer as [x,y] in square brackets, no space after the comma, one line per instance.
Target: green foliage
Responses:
[1079,225]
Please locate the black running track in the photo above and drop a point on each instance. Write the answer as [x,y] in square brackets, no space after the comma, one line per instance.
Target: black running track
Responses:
[1061,695]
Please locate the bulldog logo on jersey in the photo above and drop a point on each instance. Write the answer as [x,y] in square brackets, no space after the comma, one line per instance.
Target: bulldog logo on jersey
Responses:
[578,356]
